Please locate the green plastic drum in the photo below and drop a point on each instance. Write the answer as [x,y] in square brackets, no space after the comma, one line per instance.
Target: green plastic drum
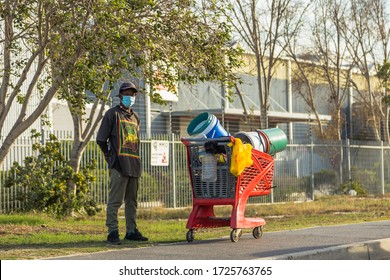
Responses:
[277,140]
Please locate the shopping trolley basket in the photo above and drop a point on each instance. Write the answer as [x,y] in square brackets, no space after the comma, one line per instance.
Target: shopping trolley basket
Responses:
[255,180]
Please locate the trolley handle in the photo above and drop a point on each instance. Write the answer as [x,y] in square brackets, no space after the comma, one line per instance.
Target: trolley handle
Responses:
[190,142]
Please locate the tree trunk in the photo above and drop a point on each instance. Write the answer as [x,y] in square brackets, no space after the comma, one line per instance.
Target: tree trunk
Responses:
[81,139]
[23,123]
[74,162]
[264,118]
[339,126]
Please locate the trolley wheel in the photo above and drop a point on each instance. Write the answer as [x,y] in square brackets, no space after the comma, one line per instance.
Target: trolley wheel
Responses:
[190,236]
[257,232]
[235,234]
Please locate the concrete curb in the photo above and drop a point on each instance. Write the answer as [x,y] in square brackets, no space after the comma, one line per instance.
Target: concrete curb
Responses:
[369,250]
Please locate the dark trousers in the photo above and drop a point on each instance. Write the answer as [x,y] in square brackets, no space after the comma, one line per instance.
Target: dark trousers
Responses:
[123,189]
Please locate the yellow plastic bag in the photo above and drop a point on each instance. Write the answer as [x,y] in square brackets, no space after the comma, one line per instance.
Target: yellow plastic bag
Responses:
[241,157]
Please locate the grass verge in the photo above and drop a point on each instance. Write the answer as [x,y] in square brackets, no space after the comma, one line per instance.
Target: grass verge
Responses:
[37,236]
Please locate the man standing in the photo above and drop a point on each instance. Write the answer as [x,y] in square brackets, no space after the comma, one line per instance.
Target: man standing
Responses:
[118,138]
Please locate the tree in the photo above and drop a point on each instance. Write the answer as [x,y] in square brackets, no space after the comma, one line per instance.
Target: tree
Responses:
[382,24]
[57,37]
[305,74]
[324,65]
[305,78]
[42,42]
[346,36]
[362,44]
[262,28]
[384,76]
[330,51]
[184,42]
[79,46]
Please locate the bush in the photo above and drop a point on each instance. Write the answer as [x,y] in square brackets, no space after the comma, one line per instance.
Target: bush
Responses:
[42,182]
[365,177]
[354,185]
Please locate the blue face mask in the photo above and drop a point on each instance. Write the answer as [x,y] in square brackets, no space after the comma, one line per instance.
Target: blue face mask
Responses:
[128,101]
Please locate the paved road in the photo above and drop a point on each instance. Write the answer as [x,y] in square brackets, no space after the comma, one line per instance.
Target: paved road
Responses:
[370,240]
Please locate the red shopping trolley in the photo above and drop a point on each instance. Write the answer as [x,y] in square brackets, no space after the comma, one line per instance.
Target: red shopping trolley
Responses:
[255,180]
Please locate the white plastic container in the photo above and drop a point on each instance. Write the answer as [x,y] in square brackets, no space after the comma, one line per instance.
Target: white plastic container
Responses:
[253,138]
[209,168]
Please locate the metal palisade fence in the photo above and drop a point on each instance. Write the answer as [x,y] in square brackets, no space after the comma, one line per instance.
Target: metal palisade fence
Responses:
[302,171]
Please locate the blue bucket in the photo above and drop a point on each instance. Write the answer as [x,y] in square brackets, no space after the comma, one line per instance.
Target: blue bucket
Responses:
[208,125]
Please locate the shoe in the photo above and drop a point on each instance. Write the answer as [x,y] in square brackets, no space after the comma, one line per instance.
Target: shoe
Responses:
[113,238]
[135,236]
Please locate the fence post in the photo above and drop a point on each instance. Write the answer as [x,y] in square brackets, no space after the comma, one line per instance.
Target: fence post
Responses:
[382,169]
[341,162]
[173,169]
[148,116]
[42,136]
[312,168]
[349,164]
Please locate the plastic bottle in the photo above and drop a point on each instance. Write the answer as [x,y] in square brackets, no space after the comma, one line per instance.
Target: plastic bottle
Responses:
[201,152]
[209,168]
